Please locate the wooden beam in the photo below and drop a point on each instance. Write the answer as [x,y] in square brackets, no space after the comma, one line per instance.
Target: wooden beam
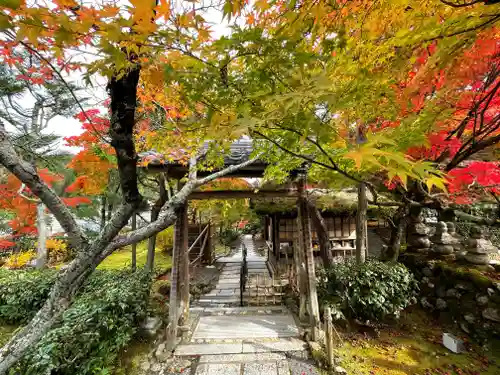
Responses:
[239,194]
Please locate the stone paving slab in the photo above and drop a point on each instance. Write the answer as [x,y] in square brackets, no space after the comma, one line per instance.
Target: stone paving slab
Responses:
[240,310]
[219,369]
[242,347]
[246,326]
[207,349]
[260,368]
[274,346]
[243,357]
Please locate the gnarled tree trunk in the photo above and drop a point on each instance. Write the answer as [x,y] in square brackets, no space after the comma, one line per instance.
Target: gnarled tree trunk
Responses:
[323,238]
[397,232]
[155,211]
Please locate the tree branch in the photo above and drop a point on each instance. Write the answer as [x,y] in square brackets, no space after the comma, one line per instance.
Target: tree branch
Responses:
[27,174]
[168,213]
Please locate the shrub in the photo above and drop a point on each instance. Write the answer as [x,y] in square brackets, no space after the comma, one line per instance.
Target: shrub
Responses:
[58,250]
[253,227]
[89,335]
[19,260]
[370,291]
[229,235]
[165,239]
[23,292]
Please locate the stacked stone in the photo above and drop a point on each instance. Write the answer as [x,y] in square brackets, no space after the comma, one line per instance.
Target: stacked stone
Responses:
[457,241]
[478,247]
[418,236]
[442,241]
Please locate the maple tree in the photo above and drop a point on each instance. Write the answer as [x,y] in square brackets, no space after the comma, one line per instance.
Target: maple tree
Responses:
[305,79]
[129,40]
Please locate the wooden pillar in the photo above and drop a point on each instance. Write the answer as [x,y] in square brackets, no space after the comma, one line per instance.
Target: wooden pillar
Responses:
[276,236]
[208,250]
[305,221]
[361,225]
[300,270]
[329,337]
[266,228]
[176,278]
[181,240]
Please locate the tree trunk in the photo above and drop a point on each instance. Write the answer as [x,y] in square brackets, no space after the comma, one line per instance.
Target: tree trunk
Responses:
[182,244]
[173,308]
[155,212]
[103,212]
[42,256]
[361,228]
[305,220]
[300,269]
[91,254]
[323,238]
[397,232]
[110,211]
[134,245]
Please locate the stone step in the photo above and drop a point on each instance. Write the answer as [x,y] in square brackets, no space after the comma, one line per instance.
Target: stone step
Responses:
[250,326]
[239,310]
[282,345]
[246,364]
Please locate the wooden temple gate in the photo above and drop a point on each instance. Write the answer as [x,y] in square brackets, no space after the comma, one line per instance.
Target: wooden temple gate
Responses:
[303,254]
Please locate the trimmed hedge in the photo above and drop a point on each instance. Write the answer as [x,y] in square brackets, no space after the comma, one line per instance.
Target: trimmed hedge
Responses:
[373,290]
[22,293]
[88,337]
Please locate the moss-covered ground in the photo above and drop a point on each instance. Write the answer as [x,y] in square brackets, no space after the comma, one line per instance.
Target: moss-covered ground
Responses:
[6,332]
[123,258]
[413,346]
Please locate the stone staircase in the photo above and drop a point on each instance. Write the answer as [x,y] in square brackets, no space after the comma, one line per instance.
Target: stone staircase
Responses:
[228,339]
[243,340]
[261,288]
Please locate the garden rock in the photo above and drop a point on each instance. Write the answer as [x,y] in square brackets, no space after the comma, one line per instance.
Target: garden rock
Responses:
[427,272]
[452,293]
[160,351]
[457,239]
[441,291]
[482,300]
[491,314]
[441,304]
[442,241]
[470,318]
[426,304]
[145,365]
[418,235]
[150,326]
[339,370]
[478,247]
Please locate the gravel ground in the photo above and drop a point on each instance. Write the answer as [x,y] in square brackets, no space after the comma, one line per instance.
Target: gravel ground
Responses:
[300,364]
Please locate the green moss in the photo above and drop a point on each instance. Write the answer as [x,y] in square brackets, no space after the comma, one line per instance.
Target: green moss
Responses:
[6,332]
[479,279]
[122,259]
[413,348]
[131,357]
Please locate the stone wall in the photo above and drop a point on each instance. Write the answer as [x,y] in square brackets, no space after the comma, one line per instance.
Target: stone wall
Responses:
[459,293]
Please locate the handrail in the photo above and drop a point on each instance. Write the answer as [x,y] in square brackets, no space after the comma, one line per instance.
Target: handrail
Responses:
[201,247]
[243,273]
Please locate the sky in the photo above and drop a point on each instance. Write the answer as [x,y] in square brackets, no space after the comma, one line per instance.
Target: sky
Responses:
[70,126]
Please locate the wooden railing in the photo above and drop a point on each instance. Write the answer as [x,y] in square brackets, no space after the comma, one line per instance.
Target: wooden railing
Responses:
[204,234]
[243,274]
[329,339]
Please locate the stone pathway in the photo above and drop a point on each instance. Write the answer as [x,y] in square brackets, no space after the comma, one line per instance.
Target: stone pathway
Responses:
[227,289]
[232,340]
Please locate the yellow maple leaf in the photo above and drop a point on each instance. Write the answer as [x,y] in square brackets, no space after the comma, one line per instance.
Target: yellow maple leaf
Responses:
[163,9]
